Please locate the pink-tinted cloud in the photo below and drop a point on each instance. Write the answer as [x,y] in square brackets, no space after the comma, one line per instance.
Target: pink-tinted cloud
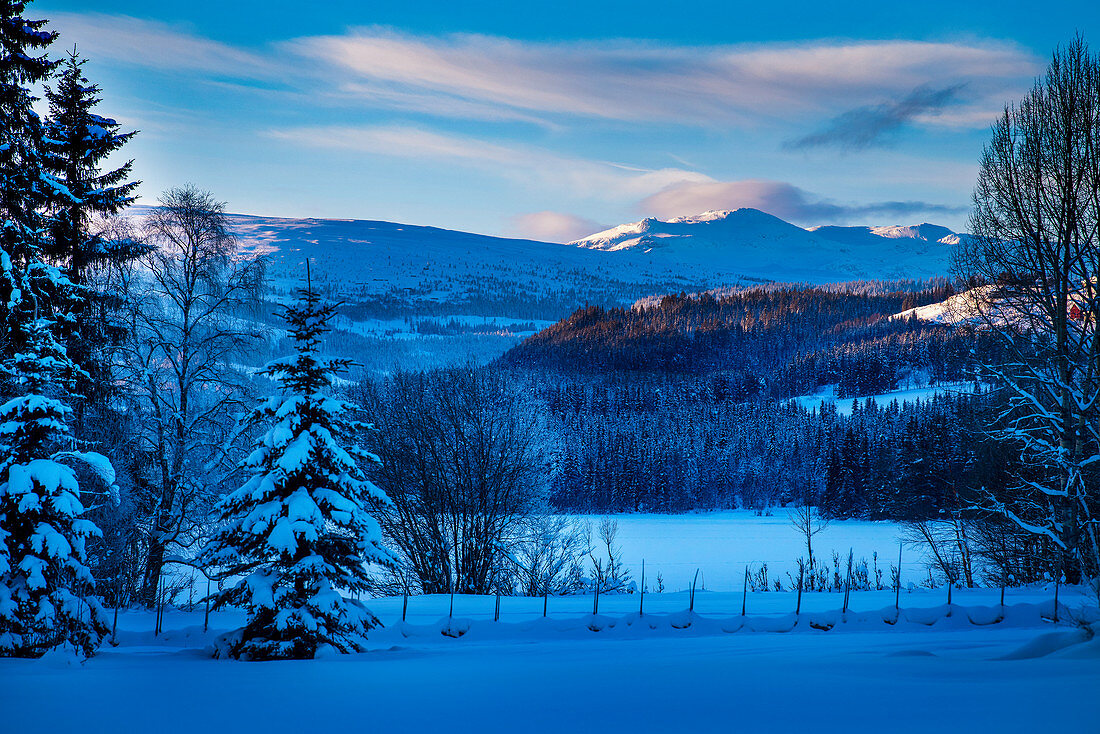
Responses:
[779,198]
[551,226]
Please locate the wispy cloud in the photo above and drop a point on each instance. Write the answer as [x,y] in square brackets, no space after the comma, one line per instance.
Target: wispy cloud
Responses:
[601,179]
[383,92]
[780,198]
[156,45]
[873,125]
[494,78]
[633,80]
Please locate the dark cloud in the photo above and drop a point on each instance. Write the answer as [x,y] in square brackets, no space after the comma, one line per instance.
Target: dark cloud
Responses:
[778,198]
[872,125]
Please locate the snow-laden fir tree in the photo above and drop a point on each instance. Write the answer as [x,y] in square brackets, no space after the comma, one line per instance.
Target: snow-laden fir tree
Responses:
[46,588]
[77,143]
[298,534]
[27,286]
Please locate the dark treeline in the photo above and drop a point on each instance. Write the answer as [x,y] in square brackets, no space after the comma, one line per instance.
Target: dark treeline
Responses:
[640,442]
[762,343]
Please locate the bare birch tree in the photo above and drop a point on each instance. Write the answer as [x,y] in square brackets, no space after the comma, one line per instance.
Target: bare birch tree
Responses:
[1035,252]
[177,366]
[808,522]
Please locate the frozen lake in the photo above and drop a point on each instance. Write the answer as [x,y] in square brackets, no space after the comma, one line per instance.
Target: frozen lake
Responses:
[721,544]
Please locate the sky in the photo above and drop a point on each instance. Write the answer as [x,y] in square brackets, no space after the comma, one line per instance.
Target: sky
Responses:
[555,120]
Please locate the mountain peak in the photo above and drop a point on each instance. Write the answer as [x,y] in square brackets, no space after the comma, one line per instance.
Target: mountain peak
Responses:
[761,242]
[710,227]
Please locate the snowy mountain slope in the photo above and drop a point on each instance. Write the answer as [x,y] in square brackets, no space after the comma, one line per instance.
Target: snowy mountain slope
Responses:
[469,296]
[440,271]
[977,306]
[759,245]
[929,234]
[411,268]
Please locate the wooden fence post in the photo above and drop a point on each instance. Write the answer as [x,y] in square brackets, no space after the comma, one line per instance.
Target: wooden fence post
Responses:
[691,594]
[118,600]
[897,591]
[158,598]
[745,592]
[801,574]
[1057,584]
[848,582]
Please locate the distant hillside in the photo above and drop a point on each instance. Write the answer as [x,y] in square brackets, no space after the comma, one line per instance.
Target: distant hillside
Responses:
[770,343]
[749,399]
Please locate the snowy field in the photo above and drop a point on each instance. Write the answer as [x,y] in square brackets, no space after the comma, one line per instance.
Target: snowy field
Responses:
[929,668]
[632,668]
[722,544]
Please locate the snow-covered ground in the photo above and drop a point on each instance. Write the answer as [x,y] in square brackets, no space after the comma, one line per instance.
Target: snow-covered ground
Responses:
[827,394]
[926,667]
[974,666]
[722,544]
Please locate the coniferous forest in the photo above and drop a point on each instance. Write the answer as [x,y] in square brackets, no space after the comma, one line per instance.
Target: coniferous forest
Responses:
[686,403]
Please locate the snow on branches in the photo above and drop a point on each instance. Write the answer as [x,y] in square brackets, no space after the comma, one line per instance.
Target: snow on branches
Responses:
[298,534]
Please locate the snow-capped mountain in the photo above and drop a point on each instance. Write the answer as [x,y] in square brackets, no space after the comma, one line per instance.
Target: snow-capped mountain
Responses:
[408,270]
[762,246]
[485,293]
[744,227]
[932,233]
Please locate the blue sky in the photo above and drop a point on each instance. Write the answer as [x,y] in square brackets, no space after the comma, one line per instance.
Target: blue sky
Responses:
[554,120]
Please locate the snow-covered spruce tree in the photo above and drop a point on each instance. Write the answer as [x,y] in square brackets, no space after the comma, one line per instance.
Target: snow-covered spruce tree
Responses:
[298,532]
[46,589]
[77,142]
[27,288]
[94,248]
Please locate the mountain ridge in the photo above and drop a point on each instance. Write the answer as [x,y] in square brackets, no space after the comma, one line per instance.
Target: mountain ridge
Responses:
[773,248]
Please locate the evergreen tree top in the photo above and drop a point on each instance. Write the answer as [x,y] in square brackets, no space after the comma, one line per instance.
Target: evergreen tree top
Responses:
[78,139]
[306,372]
[18,35]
